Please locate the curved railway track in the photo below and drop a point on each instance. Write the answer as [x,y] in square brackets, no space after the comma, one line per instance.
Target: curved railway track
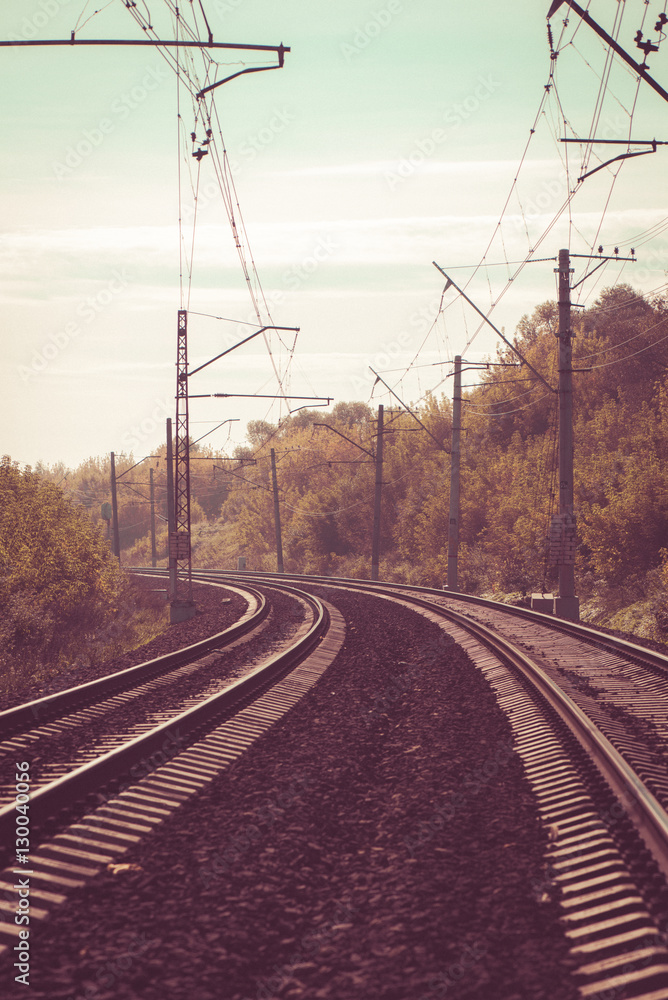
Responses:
[588,714]
[119,794]
[42,711]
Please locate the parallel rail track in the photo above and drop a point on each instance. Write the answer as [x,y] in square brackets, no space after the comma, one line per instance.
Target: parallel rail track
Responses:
[603,805]
[118,797]
[41,711]
[608,830]
[90,777]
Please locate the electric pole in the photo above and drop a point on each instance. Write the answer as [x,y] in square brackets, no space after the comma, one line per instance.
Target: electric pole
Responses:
[455,458]
[375,540]
[116,543]
[376,457]
[639,68]
[154,554]
[277,515]
[566,605]
[182,604]
[180,545]
[171,590]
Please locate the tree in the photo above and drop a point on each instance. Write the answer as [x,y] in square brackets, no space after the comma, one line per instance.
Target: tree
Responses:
[56,571]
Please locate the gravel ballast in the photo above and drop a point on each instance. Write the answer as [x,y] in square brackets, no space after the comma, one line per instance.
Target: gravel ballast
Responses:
[217,609]
[71,746]
[379,843]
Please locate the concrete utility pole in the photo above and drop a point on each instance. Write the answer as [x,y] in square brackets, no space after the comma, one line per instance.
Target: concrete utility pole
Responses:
[376,457]
[377,500]
[566,605]
[154,554]
[116,542]
[277,515]
[171,591]
[455,457]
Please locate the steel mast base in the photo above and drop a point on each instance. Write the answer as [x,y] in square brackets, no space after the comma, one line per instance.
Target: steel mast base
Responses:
[568,608]
[181,611]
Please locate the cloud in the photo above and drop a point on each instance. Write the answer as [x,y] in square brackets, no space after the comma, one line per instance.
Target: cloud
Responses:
[437,166]
[346,254]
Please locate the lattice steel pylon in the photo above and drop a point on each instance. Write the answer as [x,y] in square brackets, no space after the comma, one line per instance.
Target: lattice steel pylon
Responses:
[180,549]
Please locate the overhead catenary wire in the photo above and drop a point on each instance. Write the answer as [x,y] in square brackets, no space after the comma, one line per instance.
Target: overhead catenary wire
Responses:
[81,23]
[486,263]
[550,88]
[506,399]
[505,413]
[204,110]
[627,357]
[497,229]
[629,340]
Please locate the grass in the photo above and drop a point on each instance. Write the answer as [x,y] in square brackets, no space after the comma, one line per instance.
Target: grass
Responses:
[26,674]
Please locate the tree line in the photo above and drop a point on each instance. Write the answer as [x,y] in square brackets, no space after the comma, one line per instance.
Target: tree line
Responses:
[508,474]
[63,598]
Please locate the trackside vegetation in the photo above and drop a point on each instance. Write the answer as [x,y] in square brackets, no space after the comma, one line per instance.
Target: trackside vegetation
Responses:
[64,602]
[508,477]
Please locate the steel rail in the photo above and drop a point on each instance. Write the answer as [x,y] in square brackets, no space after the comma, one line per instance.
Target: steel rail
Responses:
[116,765]
[649,818]
[52,706]
[641,654]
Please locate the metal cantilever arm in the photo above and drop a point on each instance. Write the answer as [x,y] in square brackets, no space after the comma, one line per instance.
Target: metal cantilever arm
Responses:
[281,50]
[487,320]
[588,19]
[295,329]
[622,156]
[346,438]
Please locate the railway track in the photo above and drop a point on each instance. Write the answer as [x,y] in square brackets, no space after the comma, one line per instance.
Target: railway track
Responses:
[91,718]
[584,709]
[589,718]
[98,800]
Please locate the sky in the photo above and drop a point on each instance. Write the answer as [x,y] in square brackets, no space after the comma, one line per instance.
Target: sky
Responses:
[397,133]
